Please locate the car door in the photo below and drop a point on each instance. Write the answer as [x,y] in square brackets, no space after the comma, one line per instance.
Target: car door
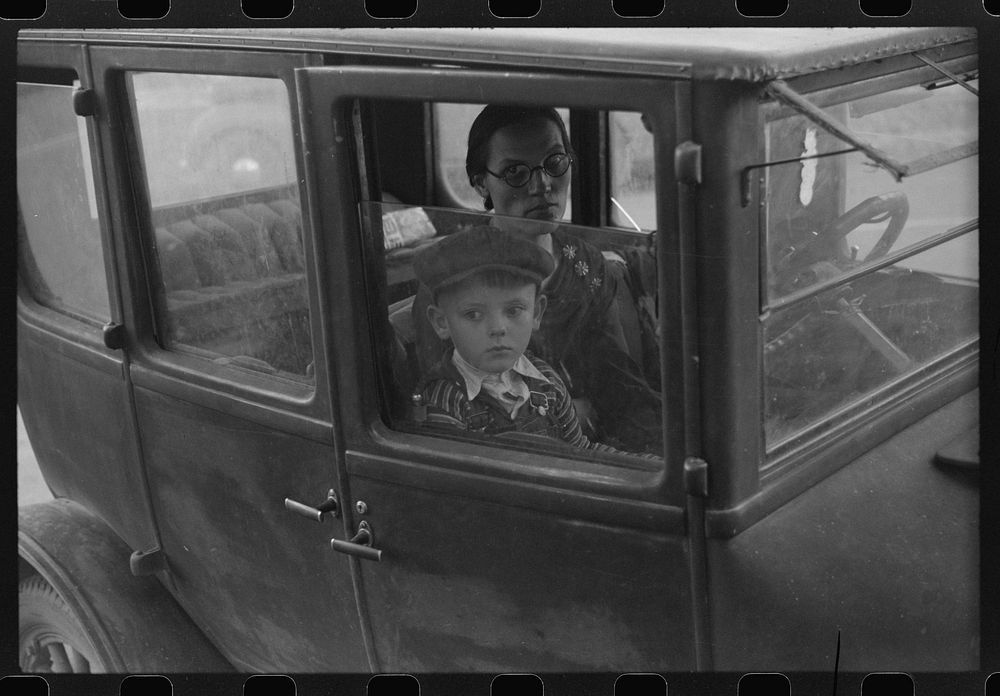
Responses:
[492,556]
[229,377]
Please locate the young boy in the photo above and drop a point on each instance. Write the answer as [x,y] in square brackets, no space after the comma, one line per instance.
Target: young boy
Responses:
[486,285]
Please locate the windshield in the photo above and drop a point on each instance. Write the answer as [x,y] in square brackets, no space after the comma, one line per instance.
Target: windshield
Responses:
[868,277]
[841,210]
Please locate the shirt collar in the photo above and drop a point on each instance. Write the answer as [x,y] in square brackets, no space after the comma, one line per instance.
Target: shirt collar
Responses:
[474,377]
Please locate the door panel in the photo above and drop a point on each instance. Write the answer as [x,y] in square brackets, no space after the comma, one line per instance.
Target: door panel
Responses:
[473,585]
[260,580]
[493,558]
[71,396]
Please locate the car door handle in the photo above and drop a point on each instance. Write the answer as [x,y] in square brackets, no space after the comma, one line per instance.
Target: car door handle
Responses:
[330,506]
[359,545]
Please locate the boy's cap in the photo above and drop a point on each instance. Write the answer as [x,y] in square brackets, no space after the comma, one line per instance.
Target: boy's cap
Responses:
[459,255]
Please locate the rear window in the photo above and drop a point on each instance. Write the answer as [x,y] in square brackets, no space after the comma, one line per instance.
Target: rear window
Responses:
[59,235]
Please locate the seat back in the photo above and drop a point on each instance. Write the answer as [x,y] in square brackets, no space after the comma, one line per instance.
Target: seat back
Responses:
[233,284]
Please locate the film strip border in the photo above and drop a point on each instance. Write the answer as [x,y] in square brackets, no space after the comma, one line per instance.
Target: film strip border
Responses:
[354,10]
[630,684]
[526,684]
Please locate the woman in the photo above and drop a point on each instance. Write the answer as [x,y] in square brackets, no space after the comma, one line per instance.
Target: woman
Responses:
[519,160]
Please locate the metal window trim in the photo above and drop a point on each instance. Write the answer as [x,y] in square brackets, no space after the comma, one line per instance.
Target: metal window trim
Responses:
[788,474]
[869,268]
[339,85]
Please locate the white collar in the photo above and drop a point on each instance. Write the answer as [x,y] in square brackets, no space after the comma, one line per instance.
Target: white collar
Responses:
[507,379]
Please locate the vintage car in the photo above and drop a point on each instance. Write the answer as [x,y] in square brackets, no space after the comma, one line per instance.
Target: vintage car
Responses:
[216,354]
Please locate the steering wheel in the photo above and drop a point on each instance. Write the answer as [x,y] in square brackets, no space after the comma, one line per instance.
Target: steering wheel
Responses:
[815,254]
[892,206]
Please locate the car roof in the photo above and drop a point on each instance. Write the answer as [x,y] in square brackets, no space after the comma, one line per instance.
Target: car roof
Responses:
[750,54]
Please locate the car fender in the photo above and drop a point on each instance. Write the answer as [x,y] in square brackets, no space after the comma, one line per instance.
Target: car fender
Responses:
[134,623]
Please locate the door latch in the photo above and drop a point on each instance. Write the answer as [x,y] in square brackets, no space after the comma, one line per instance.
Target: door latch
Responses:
[360,544]
[330,506]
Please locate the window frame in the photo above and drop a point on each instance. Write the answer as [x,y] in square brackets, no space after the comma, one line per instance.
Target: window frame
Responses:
[265,398]
[334,91]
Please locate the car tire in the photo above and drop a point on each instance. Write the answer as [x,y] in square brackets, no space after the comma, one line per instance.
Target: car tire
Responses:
[50,637]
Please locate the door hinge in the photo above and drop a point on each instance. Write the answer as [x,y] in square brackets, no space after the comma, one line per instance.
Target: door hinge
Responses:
[696,477]
[687,163]
[84,102]
[114,335]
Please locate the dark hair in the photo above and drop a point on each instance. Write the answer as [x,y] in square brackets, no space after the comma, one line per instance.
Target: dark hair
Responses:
[494,117]
[504,278]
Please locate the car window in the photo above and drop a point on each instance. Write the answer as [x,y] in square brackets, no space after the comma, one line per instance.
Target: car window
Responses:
[218,157]
[59,235]
[212,135]
[607,267]
[841,319]
[633,191]
[805,199]
[597,340]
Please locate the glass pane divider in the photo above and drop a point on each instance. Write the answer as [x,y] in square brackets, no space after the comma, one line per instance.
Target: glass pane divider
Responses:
[868,268]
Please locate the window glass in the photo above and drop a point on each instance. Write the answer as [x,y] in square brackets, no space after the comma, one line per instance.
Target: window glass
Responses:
[451,138]
[633,172]
[59,238]
[220,164]
[827,215]
[596,341]
[829,346]
[837,348]
[212,135]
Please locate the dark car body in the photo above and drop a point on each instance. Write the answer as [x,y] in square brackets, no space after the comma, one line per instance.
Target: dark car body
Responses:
[238,375]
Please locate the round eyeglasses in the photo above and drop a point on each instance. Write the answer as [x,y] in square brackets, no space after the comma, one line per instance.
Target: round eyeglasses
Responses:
[518,175]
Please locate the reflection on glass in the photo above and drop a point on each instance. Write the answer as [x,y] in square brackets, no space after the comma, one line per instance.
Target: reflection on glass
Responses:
[212,135]
[831,351]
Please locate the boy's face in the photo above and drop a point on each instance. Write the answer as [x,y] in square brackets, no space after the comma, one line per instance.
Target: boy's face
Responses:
[490,326]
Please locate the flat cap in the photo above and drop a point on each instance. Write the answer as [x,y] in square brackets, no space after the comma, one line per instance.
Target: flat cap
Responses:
[480,248]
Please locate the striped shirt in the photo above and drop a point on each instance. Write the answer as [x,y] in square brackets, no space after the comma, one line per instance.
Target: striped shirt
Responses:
[549,410]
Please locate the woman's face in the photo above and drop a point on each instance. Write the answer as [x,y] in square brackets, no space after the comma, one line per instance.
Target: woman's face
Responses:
[528,142]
